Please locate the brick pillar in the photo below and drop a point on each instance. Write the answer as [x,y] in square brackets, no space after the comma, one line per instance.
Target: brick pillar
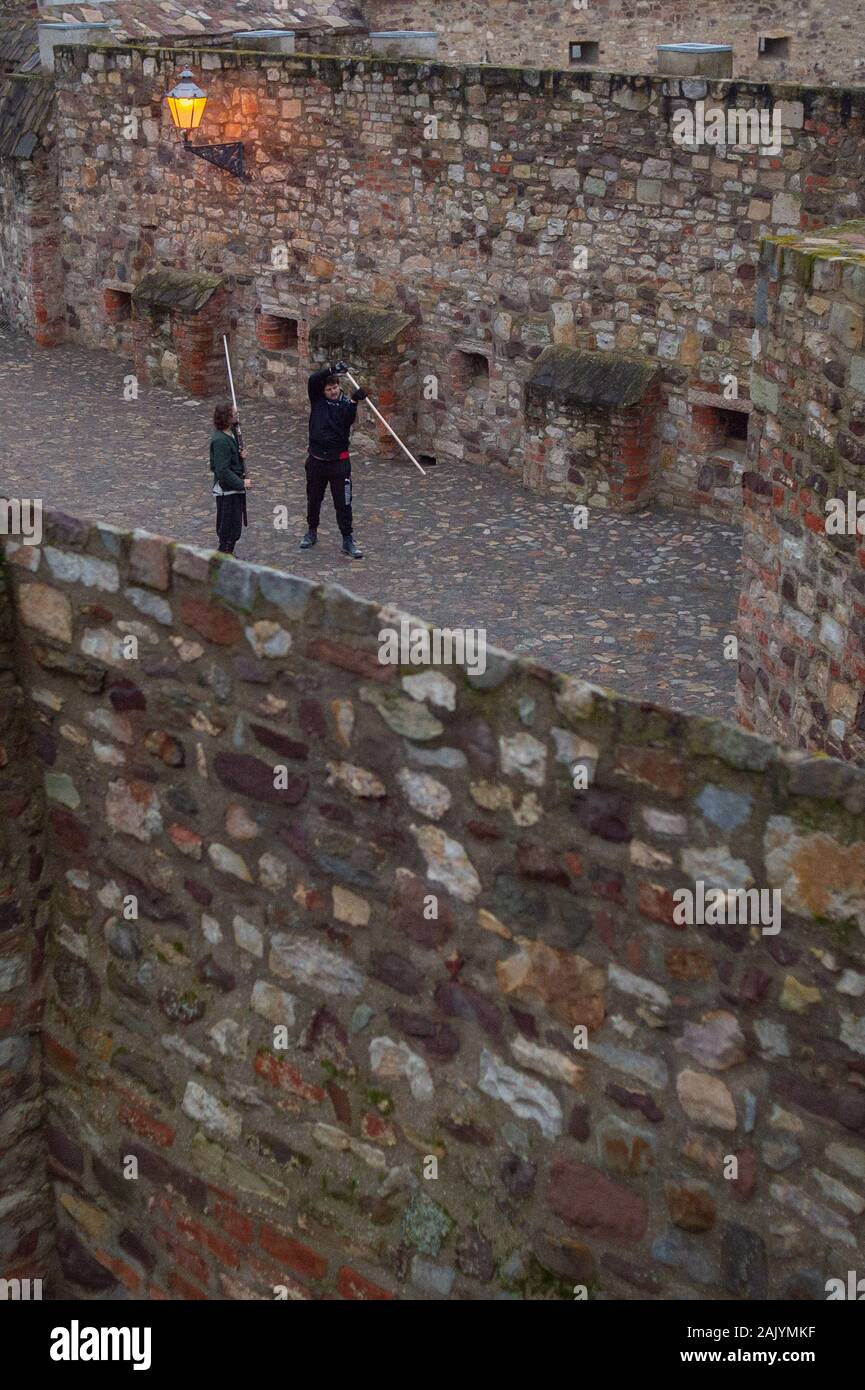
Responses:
[634,452]
[198,344]
[45,279]
[706,435]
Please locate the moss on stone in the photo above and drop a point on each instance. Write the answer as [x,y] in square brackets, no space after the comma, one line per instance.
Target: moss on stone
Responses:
[362,328]
[802,250]
[606,379]
[176,289]
[843,935]
[380,1099]
[811,816]
[426,1225]
[541,1284]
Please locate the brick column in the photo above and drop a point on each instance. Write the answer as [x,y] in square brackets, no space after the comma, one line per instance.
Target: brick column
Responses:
[198,345]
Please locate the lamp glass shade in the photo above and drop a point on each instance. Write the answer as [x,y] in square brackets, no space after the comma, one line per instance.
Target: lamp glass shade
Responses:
[186,102]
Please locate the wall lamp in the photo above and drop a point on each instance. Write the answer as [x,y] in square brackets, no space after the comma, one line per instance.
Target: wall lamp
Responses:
[186,102]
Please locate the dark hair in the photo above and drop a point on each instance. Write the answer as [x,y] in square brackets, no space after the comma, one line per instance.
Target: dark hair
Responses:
[222,416]
[331,379]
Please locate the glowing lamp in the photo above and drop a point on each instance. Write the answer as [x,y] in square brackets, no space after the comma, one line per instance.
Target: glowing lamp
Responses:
[186,103]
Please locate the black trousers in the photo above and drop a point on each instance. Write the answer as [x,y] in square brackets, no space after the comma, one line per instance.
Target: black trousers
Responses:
[320,473]
[229,520]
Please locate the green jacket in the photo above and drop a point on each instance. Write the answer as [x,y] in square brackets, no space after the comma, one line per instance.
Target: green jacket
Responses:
[225,462]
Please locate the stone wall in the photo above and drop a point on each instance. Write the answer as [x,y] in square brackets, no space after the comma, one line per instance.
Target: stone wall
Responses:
[26,1224]
[593,428]
[31,280]
[13,285]
[367,980]
[543,208]
[802,609]
[823,37]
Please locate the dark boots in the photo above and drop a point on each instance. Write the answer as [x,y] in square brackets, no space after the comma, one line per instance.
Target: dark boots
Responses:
[348,545]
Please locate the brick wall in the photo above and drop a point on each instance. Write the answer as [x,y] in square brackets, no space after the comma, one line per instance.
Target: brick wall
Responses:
[472,233]
[823,36]
[802,609]
[26,1225]
[331,935]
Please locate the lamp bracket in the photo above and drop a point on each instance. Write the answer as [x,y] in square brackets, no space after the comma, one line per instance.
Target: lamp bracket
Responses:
[228,157]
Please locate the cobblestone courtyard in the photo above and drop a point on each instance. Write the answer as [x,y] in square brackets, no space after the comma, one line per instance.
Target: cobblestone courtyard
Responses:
[639,603]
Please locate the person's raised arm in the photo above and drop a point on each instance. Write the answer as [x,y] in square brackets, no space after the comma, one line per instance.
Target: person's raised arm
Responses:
[315,385]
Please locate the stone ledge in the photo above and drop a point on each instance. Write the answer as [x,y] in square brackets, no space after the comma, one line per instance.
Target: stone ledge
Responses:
[176,289]
[363,327]
[610,380]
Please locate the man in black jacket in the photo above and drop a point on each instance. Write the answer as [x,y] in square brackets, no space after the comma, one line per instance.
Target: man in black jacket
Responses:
[331,417]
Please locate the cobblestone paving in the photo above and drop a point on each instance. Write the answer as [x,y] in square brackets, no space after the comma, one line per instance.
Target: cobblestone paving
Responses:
[639,603]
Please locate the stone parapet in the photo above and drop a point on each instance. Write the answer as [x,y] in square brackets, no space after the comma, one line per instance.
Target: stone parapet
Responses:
[399,979]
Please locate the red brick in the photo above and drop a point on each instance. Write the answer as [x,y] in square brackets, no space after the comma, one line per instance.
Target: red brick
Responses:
[239,1227]
[270,1277]
[188,1260]
[354,1285]
[300,1258]
[127,1276]
[215,1244]
[286,1077]
[140,1122]
[182,1287]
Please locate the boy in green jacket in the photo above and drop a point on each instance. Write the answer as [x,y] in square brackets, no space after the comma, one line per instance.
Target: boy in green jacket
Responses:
[230,480]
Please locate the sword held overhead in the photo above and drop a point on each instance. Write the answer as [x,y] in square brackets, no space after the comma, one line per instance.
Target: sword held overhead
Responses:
[393,432]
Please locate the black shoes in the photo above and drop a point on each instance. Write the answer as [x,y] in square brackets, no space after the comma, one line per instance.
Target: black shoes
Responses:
[348,545]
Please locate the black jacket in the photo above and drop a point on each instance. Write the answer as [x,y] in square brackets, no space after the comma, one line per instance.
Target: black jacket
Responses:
[330,422]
